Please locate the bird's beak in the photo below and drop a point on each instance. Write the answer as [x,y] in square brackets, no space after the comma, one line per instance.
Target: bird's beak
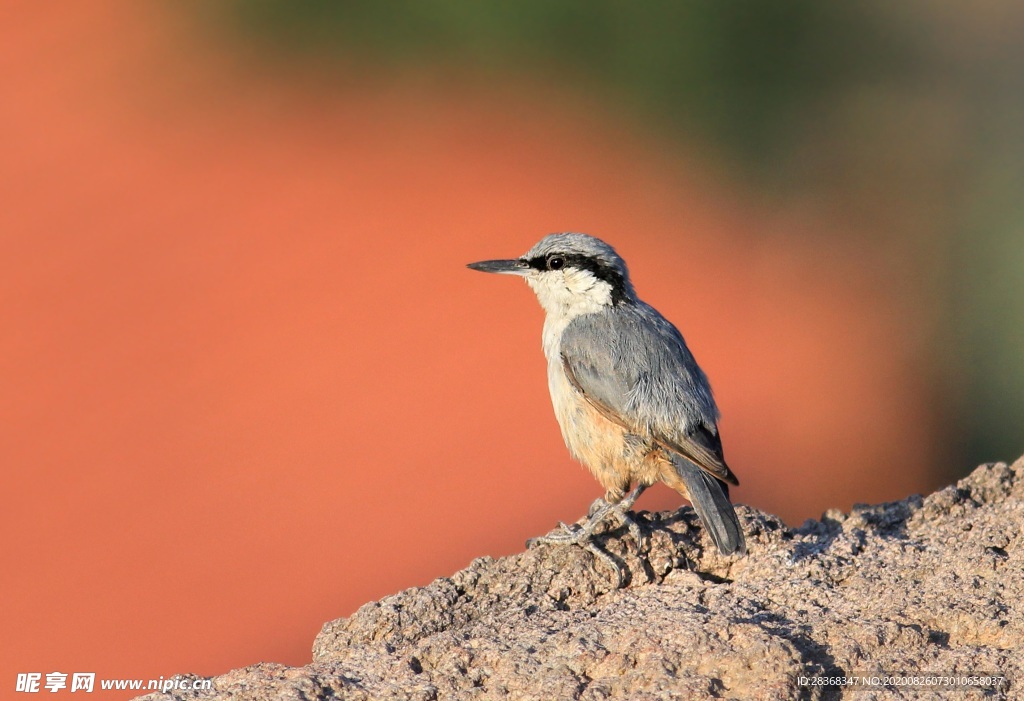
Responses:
[507,267]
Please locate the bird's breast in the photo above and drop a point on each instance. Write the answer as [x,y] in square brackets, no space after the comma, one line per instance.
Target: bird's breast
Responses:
[551,337]
[613,455]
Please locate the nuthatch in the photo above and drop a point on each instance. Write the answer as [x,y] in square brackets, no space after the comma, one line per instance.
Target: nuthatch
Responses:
[632,403]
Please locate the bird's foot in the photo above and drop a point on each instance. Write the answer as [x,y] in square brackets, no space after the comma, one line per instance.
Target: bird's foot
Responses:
[600,510]
[621,510]
[563,535]
[583,535]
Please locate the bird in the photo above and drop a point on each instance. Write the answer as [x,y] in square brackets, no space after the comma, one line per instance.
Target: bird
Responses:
[632,403]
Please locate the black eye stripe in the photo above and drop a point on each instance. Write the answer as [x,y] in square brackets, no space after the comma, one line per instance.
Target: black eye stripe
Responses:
[595,267]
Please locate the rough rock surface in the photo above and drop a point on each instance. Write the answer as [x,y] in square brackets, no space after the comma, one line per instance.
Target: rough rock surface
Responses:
[921,586]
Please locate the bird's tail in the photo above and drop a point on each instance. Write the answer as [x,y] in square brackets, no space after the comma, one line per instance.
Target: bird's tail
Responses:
[711,502]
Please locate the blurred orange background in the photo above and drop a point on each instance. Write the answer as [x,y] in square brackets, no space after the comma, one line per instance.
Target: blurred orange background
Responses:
[248,384]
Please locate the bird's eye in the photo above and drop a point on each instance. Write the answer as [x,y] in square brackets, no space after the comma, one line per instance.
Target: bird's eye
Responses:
[556,262]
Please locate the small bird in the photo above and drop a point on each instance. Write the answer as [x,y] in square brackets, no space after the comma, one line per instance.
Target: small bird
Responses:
[633,405]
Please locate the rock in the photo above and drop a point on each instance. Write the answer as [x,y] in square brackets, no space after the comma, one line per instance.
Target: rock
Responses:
[916,587]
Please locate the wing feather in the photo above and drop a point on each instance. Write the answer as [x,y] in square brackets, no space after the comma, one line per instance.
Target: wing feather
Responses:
[633,366]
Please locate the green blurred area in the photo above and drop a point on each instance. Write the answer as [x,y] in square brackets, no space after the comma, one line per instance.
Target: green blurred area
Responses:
[906,119]
[746,73]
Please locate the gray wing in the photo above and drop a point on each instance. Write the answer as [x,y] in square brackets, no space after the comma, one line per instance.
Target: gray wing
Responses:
[633,366]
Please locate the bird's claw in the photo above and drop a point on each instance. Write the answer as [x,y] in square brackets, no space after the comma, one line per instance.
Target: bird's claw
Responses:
[583,535]
[608,559]
[636,532]
[584,539]
[564,534]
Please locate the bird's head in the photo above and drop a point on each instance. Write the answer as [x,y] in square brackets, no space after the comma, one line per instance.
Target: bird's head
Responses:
[571,274]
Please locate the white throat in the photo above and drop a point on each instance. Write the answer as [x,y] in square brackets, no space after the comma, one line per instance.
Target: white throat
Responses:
[565,296]
[571,292]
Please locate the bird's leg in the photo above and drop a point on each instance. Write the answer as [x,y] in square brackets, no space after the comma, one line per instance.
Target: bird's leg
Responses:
[596,514]
[582,535]
[622,508]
